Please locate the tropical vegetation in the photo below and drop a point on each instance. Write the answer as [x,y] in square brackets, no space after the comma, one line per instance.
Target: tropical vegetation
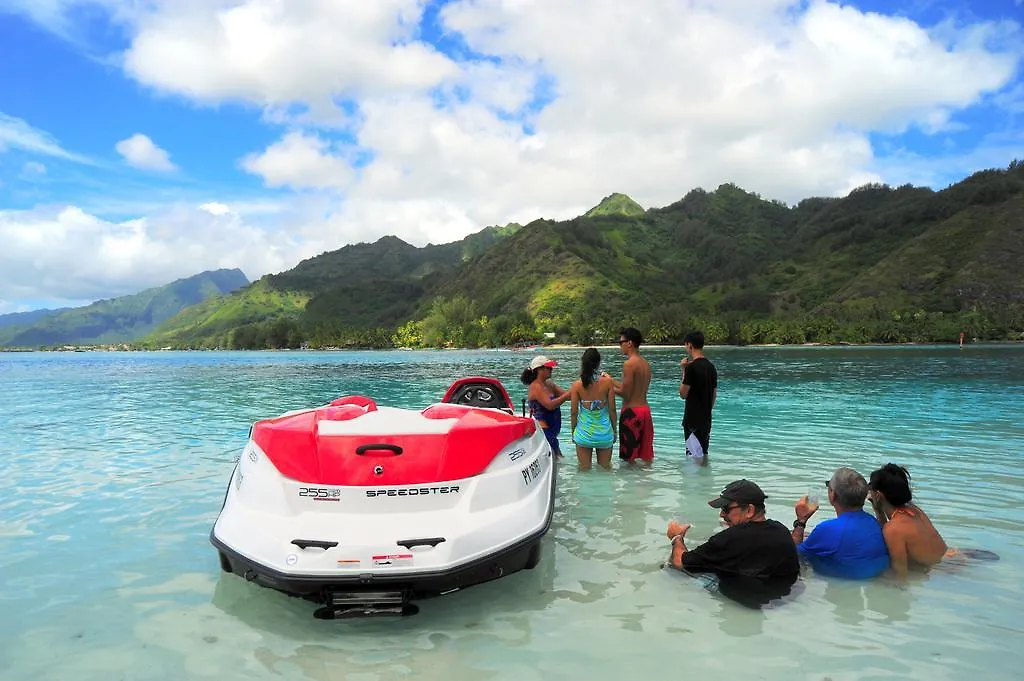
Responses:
[881,264]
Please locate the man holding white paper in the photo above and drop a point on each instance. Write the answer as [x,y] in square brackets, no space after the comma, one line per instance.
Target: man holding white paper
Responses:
[699,387]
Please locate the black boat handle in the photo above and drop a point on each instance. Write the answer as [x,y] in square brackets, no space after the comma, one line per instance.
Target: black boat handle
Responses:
[394,449]
[306,543]
[428,541]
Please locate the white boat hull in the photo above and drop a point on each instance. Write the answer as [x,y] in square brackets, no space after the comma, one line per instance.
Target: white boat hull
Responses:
[385,544]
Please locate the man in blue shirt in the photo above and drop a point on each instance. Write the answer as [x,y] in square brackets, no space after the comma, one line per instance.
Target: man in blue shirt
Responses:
[850,545]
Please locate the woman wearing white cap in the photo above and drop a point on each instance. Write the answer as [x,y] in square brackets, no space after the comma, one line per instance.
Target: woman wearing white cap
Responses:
[545,398]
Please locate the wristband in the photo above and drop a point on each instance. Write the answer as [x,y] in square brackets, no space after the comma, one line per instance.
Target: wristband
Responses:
[799,523]
[673,539]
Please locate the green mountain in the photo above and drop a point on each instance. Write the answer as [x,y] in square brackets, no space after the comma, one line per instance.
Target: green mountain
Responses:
[880,264]
[26,318]
[361,286]
[615,204]
[122,319]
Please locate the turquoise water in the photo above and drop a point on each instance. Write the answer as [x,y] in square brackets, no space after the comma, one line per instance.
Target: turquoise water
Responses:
[115,466]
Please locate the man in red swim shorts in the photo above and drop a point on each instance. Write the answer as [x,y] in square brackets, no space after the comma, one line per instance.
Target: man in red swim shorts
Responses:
[636,427]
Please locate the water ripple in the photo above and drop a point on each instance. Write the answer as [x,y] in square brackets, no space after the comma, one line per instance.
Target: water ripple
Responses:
[116,464]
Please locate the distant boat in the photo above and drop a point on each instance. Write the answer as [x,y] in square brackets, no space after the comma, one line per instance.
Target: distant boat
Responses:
[524,346]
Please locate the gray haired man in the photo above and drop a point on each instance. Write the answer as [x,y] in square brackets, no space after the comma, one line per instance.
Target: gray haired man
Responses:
[850,545]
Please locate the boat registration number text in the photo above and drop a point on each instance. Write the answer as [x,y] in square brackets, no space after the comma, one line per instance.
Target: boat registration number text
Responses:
[531,472]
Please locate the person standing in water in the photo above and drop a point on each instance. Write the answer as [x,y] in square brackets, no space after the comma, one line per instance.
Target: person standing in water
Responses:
[636,426]
[545,399]
[699,388]
[593,403]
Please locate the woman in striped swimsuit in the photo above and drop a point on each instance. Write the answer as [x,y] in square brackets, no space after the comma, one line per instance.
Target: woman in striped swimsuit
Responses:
[593,403]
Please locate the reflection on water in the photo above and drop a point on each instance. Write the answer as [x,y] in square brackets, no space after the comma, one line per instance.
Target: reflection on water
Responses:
[115,466]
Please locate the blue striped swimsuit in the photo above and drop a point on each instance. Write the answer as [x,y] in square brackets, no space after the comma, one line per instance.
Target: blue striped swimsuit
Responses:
[593,425]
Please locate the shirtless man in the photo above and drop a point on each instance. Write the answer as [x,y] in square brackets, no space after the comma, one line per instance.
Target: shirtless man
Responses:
[636,427]
[912,540]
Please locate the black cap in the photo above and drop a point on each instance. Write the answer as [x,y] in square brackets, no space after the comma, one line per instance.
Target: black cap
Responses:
[739,492]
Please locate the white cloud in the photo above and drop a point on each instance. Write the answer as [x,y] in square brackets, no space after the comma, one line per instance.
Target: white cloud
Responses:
[65,253]
[276,52]
[419,221]
[216,208]
[140,151]
[385,135]
[652,100]
[15,133]
[300,161]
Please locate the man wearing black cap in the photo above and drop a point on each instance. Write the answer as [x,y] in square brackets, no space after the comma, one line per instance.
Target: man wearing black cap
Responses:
[751,547]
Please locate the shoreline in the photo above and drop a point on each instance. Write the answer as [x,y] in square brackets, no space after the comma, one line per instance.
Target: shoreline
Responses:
[537,350]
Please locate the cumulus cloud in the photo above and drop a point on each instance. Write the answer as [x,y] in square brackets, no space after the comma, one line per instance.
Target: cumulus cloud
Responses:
[66,253]
[538,109]
[140,152]
[271,52]
[651,100]
[216,208]
[300,161]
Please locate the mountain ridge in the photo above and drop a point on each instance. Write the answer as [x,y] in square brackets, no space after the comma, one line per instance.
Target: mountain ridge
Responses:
[122,319]
[882,263]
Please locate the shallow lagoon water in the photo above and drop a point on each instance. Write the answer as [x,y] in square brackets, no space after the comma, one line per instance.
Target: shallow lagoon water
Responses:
[115,466]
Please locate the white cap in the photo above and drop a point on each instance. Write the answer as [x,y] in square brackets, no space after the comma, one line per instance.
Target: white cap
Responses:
[542,361]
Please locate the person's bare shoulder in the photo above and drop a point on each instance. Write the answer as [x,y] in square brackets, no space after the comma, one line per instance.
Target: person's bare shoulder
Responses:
[920,512]
[897,527]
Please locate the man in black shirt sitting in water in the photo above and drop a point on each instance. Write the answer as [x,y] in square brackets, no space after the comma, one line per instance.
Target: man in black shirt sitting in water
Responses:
[754,558]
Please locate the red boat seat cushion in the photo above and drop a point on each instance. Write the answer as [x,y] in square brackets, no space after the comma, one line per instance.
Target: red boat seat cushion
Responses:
[298,452]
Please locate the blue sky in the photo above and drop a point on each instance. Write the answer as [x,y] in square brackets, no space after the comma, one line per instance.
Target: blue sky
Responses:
[145,141]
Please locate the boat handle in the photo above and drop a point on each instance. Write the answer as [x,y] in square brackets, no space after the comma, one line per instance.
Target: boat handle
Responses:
[362,449]
[306,543]
[429,541]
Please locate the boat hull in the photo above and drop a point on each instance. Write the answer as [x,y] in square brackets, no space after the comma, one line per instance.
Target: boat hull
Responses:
[524,554]
[363,545]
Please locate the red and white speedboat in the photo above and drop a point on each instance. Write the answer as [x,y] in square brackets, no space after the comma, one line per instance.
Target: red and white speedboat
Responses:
[364,508]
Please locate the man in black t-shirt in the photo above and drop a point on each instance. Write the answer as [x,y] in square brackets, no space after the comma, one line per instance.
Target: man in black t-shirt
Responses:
[754,557]
[699,387]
